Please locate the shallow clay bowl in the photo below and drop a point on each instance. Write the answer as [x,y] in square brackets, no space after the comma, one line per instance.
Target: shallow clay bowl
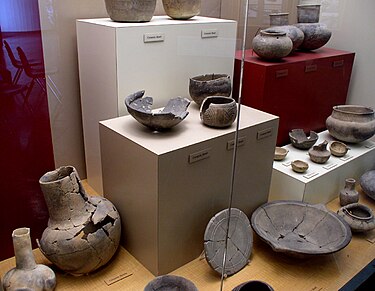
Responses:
[338,148]
[300,140]
[172,114]
[299,166]
[280,153]
[300,229]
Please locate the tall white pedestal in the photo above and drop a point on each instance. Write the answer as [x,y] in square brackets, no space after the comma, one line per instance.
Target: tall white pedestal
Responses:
[168,185]
[117,59]
[321,182]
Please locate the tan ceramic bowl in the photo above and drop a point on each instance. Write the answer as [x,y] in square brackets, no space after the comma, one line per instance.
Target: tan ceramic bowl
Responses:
[299,166]
[280,153]
[338,148]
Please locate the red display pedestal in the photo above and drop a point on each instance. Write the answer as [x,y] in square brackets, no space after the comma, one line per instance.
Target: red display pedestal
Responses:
[301,88]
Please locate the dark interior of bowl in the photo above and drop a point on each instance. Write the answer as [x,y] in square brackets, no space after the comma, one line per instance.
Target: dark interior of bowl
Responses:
[215,100]
[300,228]
[171,283]
[359,211]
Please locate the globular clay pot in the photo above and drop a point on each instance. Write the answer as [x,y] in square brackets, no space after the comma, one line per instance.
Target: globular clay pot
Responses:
[316,35]
[218,111]
[253,286]
[367,182]
[349,194]
[351,123]
[27,275]
[359,217]
[203,86]
[182,9]
[272,44]
[308,13]
[130,10]
[319,153]
[170,282]
[83,232]
[280,22]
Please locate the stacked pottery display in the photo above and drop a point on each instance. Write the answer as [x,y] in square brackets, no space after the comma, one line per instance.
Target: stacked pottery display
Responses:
[130,10]
[83,232]
[316,34]
[272,44]
[182,9]
[280,22]
[27,275]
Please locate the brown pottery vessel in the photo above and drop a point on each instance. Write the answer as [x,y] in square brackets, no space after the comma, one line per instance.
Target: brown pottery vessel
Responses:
[218,111]
[359,217]
[319,153]
[272,44]
[182,9]
[130,10]
[349,194]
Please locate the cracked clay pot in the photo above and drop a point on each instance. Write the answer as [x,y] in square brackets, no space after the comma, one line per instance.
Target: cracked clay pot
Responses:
[83,232]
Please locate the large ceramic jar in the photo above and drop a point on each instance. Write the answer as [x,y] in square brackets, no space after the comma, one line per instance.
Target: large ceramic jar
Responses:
[316,35]
[27,275]
[280,22]
[272,44]
[182,9]
[308,13]
[130,10]
[83,232]
[351,123]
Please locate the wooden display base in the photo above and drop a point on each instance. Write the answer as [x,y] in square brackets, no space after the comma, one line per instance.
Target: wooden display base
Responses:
[283,273]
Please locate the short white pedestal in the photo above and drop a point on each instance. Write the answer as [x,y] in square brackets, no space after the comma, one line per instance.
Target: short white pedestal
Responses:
[118,59]
[168,185]
[321,182]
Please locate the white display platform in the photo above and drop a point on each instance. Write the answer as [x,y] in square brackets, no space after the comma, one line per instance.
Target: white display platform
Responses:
[167,185]
[321,182]
[118,59]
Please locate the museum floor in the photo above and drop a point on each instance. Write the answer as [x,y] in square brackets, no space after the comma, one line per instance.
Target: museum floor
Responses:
[329,272]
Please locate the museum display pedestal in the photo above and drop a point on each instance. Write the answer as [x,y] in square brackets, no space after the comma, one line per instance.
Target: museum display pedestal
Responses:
[167,185]
[301,88]
[117,59]
[321,182]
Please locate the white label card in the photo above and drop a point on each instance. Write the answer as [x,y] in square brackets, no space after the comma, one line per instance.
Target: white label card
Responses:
[153,37]
[209,33]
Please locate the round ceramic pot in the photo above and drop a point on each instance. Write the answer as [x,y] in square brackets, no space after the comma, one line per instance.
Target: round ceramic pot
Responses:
[253,286]
[272,44]
[203,86]
[351,123]
[218,111]
[319,153]
[359,217]
[130,10]
[367,182]
[308,13]
[170,282]
[349,194]
[316,35]
[27,275]
[83,232]
[182,9]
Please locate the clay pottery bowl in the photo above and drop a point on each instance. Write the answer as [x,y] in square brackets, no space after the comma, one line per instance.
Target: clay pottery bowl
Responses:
[359,217]
[172,114]
[338,149]
[280,153]
[351,123]
[202,86]
[319,153]
[182,9]
[218,111]
[253,286]
[300,229]
[367,182]
[130,10]
[299,166]
[300,140]
[170,282]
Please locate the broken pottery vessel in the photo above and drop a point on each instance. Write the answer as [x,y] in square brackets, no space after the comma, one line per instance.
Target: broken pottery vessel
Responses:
[172,114]
[300,229]
[349,194]
[170,282]
[319,153]
[300,140]
[218,111]
[83,232]
[359,217]
[27,275]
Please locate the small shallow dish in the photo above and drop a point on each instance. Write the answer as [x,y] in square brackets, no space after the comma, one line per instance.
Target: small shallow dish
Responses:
[299,166]
[172,114]
[300,229]
[280,153]
[300,140]
[338,148]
